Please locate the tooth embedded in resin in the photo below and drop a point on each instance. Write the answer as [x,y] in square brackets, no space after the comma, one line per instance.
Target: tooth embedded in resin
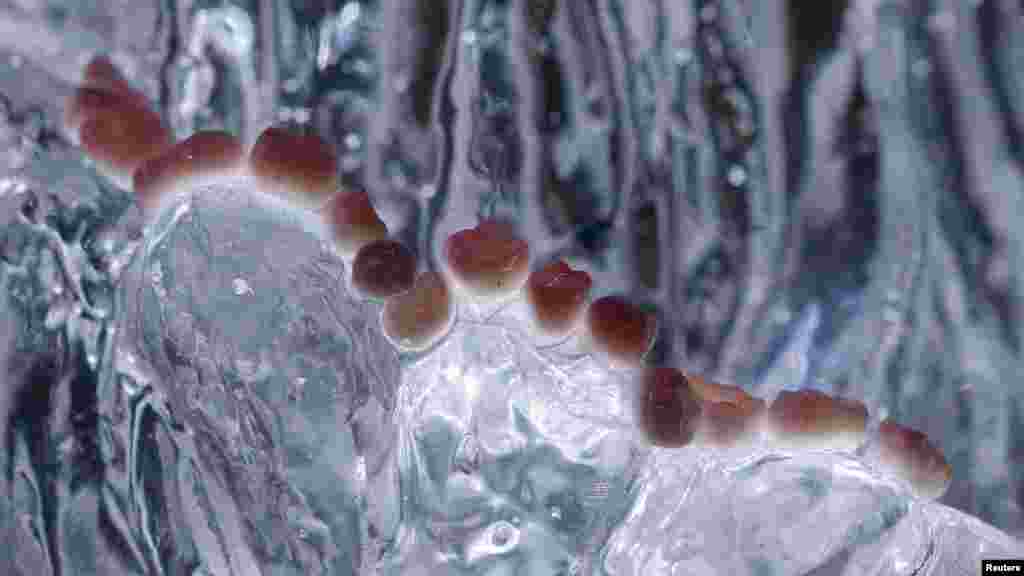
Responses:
[621,330]
[720,393]
[728,425]
[557,295]
[813,420]
[114,124]
[382,269]
[200,158]
[416,319]
[353,222]
[119,140]
[669,410]
[101,88]
[296,165]
[88,102]
[730,416]
[101,73]
[906,453]
[489,261]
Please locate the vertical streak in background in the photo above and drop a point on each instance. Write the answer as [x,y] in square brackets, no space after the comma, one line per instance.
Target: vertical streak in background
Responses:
[1001,48]
[730,84]
[580,186]
[618,48]
[537,74]
[445,122]
[725,120]
[411,137]
[678,211]
[991,185]
[618,51]
[494,149]
[268,79]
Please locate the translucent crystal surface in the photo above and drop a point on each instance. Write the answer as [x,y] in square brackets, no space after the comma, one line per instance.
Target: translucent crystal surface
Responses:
[814,194]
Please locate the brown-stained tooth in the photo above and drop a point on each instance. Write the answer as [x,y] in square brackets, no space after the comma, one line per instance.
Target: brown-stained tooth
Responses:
[383,268]
[726,424]
[416,319]
[120,140]
[669,410]
[88,102]
[114,123]
[813,419]
[729,416]
[621,330]
[203,154]
[353,222]
[909,455]
[102,88]
[720,393]
[490,260]
[101,73]
[557,295]
[296,165]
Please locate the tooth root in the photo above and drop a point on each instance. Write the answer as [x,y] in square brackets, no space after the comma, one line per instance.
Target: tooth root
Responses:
[295,165]
[557,295]
[620,330]
[382,269]
[416,319]
[907,454]
[189,163]
[669,410]
[489,261]
[353,222]
[808,419]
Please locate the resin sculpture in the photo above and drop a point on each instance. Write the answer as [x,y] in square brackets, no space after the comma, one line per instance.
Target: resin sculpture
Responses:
[289,176]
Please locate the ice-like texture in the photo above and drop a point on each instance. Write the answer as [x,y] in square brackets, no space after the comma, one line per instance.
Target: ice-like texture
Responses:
[264,393]
[818,195]
[514,460]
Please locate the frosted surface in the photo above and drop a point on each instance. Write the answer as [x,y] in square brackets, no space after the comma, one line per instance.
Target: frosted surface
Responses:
[824,198]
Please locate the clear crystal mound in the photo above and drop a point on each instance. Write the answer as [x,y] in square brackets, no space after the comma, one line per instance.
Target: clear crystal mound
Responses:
[189,452]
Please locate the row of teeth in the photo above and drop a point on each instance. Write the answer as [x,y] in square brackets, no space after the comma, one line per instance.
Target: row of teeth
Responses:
[129,143]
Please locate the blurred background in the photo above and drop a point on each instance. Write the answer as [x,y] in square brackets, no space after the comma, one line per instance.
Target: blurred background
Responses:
[813,193]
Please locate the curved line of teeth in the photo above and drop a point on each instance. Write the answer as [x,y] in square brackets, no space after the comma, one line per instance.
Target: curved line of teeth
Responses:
[488,266]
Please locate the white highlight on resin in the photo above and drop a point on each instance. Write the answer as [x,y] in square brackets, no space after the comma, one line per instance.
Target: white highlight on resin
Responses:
[241,287]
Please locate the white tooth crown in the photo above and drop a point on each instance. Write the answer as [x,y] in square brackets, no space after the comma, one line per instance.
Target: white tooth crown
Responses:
[130,144]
